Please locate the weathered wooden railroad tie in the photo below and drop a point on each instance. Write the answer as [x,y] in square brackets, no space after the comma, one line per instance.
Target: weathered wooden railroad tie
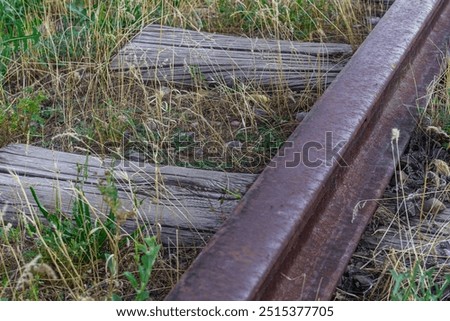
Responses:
[180,205]
[191,58]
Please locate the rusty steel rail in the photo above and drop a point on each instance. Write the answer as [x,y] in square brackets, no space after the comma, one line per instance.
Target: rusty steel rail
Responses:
[293,233]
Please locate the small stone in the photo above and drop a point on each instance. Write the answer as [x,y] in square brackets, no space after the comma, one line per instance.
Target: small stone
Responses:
[433,179]
[260,112]
[401,178]
[152,125]
[408,207]
[373,21]
[187,135]
[235,123]
[194,124]
[301,116]
[165,90]
[364,281]
[234,144]
[198,153]
[433,206]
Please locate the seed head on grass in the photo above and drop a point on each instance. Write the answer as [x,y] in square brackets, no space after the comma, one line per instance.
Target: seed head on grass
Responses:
[31,270]
[395,135]
[442,167]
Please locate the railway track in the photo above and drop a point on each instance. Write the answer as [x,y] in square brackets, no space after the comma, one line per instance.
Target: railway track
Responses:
[293,233]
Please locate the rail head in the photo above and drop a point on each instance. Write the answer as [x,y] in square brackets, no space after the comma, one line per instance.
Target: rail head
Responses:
[294,231]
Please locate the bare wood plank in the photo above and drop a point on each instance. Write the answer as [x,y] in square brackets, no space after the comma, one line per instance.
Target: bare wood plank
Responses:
[180,204]
[173,55]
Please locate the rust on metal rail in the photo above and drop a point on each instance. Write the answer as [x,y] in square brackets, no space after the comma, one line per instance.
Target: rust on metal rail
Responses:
[293,233]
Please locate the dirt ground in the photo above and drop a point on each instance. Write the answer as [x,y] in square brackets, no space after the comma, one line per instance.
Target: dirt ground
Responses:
[409,234]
